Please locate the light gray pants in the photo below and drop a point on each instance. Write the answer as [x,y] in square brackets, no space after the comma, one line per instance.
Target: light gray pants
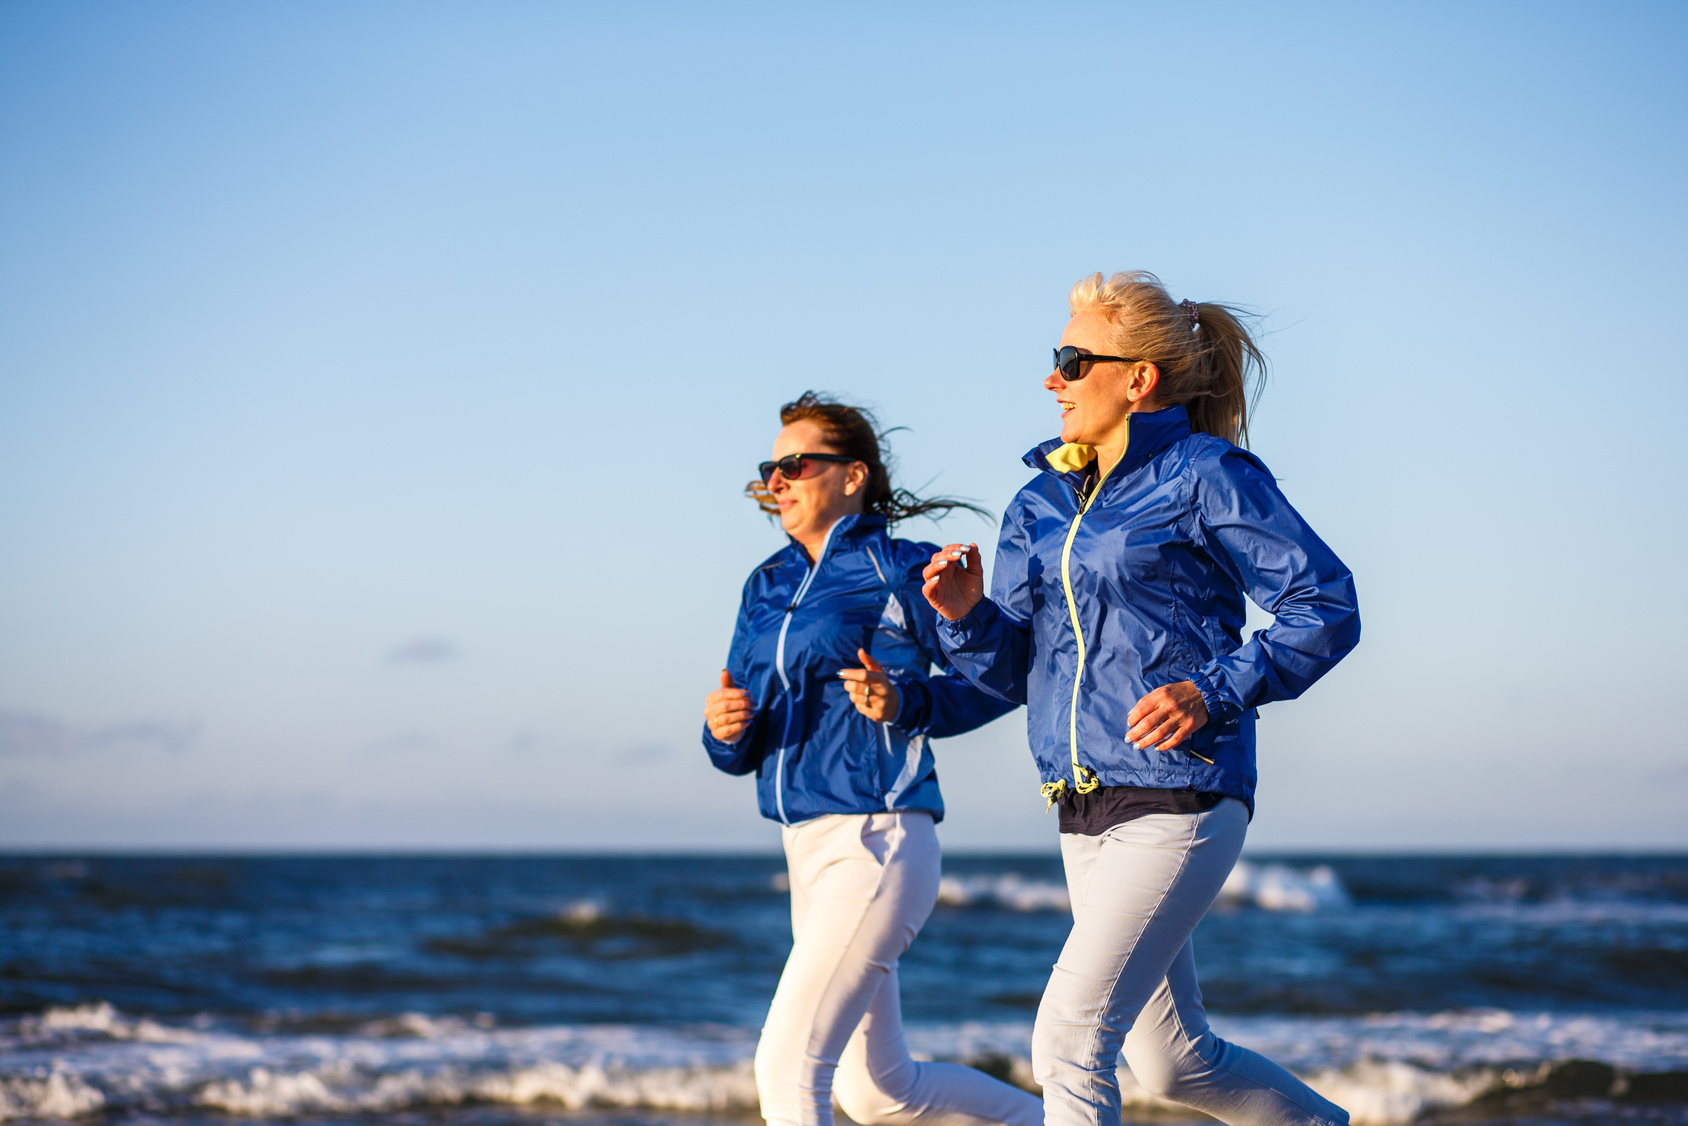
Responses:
[1126,981]
[861,886]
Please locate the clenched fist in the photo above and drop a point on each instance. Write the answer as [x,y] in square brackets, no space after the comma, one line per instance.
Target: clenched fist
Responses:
[728,710]
[871,690]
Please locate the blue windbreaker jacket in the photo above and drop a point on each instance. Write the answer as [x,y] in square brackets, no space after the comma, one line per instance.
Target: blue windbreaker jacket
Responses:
[812,751]
[1094,605]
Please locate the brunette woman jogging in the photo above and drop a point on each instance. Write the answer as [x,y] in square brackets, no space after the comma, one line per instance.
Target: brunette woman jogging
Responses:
[1116,616]
[827,699]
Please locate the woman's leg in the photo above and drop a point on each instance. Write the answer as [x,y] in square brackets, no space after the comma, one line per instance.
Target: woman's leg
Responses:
[1174,1054]
[880,1084]
[861,888]
[857,903]
[1138,892]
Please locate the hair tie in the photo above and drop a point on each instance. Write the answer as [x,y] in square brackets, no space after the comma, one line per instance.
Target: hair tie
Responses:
[1192,310]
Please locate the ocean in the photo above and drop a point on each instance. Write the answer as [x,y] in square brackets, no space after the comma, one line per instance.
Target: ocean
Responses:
[491,990]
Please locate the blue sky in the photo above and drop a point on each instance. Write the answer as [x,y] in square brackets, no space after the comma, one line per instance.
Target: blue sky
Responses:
[377,383]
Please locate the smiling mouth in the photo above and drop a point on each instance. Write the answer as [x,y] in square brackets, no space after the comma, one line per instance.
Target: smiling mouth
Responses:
[1064,405]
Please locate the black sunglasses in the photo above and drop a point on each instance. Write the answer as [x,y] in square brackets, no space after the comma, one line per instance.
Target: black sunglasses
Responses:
[1068,359]
[791,465]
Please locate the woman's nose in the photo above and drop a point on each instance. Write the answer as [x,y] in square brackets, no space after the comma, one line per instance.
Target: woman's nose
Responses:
[1053,381]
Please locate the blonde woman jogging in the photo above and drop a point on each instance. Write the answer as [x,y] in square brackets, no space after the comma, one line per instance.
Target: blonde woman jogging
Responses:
[1116,616]
[828,700]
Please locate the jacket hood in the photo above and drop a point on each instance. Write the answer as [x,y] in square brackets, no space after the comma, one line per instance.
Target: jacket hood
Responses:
[1150,432]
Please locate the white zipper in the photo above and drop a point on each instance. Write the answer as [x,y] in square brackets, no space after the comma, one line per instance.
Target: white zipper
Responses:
[785,681]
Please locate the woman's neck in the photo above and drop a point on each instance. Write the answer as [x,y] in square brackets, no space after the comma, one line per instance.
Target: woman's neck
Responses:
[1111,448]
[813,541]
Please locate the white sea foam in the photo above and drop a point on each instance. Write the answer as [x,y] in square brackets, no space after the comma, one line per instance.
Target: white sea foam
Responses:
[1278,887]
[1010,890]
[1270,887]
[1387,1069]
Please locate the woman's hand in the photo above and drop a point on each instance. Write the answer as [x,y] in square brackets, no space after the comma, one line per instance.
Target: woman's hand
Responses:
[871,690]
[955,580]
[727,710]
[1166,717]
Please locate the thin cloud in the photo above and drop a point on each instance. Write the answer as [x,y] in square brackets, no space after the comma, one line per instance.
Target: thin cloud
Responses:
[31,733]
[403,742]
[424,651]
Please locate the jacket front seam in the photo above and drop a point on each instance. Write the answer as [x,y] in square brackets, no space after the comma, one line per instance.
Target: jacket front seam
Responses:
[779,667]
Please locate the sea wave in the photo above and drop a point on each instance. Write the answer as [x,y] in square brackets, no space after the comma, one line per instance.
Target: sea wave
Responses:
[1269,887]
[1387,1069]
[1279,887]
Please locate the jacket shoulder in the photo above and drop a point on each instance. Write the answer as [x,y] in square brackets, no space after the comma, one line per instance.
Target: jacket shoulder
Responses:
[905,553]
[763,571]
[1041,490]
[1213,456]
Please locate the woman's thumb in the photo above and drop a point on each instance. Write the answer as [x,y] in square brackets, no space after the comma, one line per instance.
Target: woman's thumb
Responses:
[868,662]
[726,679]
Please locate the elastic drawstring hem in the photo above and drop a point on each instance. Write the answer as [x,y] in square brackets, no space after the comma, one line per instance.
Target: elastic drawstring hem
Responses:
[1084,781]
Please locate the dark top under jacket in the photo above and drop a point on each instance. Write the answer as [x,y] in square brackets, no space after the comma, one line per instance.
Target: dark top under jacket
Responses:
[1101,809]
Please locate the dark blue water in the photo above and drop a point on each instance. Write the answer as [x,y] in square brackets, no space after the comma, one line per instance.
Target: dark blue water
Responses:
[702,938]
[497,966]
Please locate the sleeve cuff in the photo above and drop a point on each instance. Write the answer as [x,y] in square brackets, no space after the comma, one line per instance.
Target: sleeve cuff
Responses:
[1220,709]
[969,625]
[914,702]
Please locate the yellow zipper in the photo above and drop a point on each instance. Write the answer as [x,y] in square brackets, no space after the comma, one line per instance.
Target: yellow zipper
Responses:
[1084,779]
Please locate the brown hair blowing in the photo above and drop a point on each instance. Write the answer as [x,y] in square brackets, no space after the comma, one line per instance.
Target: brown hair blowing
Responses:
[1212,367]
[854,433]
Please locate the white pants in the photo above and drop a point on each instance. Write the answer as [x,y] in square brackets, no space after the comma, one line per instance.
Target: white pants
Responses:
[1127,980]
[861,886]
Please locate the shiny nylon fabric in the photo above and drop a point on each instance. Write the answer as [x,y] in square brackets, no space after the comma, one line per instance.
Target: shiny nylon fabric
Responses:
[865,593]
[1180,531]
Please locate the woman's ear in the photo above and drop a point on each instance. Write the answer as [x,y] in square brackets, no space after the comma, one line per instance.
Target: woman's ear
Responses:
[1142,382]
[855,478]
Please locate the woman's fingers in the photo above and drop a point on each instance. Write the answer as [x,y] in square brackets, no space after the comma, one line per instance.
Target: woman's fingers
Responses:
[1166,717]
[727,706]
[871,689]
[728,733]
[954,580]
[1171,727]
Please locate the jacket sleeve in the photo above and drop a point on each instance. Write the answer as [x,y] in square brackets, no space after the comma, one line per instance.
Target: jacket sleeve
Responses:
[992,645]
[744,755]
[944,703]
[1253,534]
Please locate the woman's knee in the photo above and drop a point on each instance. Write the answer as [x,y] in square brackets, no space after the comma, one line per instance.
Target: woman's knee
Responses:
[1161,1070]
[772,1067]
[870,1099]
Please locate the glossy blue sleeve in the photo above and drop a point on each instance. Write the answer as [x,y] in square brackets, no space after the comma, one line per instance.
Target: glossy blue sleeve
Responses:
[992,645]
[744,755]
[943,703]
[1249,528]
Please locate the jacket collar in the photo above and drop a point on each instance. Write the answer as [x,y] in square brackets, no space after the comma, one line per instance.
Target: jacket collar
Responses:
[847,528]
[1150,433]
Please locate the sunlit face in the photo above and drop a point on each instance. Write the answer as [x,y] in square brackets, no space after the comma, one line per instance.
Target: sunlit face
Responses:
[1094,408]
[826,491]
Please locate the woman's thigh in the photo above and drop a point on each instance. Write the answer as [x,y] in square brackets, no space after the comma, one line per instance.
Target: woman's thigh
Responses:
[1138,892]
[866,884]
